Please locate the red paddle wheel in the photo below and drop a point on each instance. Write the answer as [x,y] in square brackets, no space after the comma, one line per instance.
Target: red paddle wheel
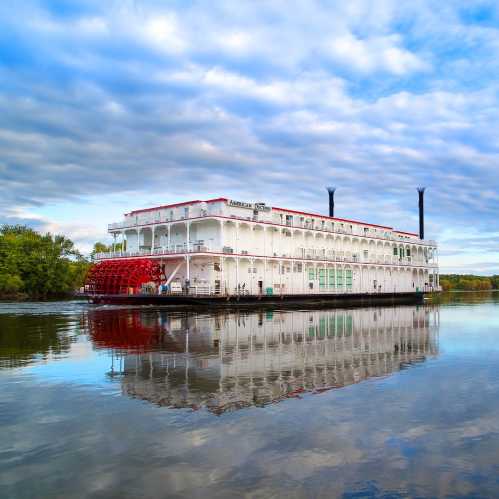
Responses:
[113,277]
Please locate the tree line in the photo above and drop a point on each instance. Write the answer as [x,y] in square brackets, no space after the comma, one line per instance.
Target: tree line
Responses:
[458,282]
[38,266]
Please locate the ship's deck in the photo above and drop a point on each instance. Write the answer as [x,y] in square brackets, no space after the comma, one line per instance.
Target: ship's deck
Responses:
[293,300]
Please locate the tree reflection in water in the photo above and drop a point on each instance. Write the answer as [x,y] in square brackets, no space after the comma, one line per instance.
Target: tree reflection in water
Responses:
[25,339]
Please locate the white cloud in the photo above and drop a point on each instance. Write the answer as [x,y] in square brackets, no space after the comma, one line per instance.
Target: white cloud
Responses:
[236,42]
[164,33]
[83,233]
[303,90]
[376,53]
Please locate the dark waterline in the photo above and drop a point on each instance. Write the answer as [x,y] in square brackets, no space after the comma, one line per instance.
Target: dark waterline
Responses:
[146,402]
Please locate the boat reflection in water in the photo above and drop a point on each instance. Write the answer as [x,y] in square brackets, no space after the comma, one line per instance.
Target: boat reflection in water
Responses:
[227,361]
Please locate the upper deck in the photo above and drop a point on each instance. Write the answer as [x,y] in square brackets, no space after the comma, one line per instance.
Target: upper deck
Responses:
[225,208]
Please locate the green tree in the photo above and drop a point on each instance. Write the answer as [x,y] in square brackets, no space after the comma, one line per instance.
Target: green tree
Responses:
[468,282]
[38,265]
[104,248]
[100,248]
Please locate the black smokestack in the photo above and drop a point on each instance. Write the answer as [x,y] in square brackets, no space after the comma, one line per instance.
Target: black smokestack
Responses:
[331,200]
[421,211]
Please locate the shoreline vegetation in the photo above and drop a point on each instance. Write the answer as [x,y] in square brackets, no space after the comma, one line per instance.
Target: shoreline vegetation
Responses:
[468,282]
[36,266]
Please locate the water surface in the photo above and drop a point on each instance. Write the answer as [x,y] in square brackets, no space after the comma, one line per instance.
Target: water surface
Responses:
[147,402]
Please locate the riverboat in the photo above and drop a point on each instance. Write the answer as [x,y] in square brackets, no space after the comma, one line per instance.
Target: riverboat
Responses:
[223,250]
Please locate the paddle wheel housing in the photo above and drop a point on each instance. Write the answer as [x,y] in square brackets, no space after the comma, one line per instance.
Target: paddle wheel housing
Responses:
[113,277]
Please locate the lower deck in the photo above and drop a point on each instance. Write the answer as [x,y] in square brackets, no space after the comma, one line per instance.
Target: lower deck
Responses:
[297,300]
[241,275]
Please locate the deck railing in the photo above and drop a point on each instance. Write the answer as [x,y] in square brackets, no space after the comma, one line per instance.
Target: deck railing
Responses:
[206,290]
[179,250]
[132,224]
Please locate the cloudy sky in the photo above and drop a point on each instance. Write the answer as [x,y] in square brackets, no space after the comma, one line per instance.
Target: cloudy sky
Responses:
[111,106]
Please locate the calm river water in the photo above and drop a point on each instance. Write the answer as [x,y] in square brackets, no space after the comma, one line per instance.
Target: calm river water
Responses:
[145,402]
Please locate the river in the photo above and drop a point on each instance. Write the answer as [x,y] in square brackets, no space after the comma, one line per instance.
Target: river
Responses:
[106,401]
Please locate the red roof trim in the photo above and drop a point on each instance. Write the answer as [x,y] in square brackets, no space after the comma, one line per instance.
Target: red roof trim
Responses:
[215,200]
[331,218]
[175,205]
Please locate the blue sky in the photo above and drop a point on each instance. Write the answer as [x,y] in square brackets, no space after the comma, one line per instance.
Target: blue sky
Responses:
[111,106]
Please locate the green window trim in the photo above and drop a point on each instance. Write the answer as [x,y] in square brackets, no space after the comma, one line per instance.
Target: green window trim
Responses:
[322,277]
[339,278]
[348,278]
[331,279]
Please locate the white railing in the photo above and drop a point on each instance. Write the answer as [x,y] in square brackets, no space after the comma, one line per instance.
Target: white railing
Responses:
[180,249]
[122,225]
[126,224]
[128,254]
[201,290]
